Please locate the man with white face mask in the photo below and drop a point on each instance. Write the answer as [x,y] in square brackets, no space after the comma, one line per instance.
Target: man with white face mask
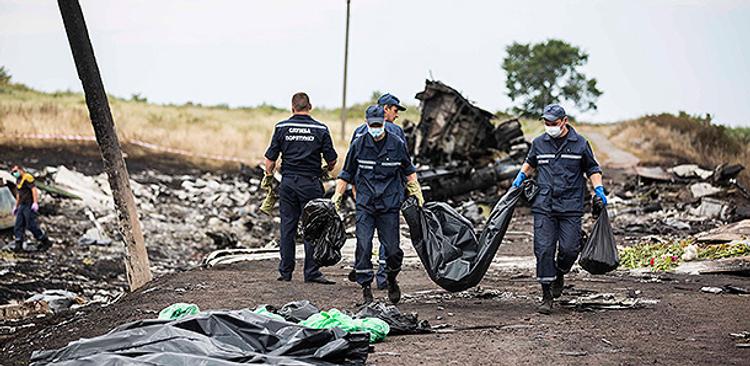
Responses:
[379,168]
[561,157]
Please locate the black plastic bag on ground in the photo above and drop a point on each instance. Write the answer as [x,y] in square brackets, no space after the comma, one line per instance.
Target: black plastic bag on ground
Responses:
[599,254]
[297,311]
[235,337]
[454,258]
[324,229]
[399,322]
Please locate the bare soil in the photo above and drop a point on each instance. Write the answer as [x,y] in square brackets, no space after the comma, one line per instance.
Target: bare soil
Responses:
[687,326]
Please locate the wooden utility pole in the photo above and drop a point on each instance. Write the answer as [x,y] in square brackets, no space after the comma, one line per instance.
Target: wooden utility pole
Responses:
[346,66]
[136,257]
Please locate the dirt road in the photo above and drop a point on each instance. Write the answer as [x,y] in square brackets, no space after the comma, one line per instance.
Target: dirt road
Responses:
[611,155]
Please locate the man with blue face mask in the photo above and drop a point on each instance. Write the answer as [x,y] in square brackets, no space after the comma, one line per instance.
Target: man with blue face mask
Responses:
[391,107]
[27,207]
[561,157]
[379,168]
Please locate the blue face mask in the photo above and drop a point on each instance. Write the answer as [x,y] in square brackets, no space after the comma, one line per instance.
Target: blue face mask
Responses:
[376,131]
[17,174]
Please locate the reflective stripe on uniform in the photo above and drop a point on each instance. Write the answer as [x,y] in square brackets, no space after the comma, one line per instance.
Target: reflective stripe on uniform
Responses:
[368,167]
[301,125]
[366,161]
[546,279]
[393,163]
[545,156]
[363,271]
[569,156]
[543,161]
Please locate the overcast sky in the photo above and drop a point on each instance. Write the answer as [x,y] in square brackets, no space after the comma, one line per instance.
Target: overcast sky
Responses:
[648,55]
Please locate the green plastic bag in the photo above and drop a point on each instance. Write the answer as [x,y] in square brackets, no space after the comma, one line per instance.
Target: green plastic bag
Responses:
[377,328]
[263,311]
[178,311]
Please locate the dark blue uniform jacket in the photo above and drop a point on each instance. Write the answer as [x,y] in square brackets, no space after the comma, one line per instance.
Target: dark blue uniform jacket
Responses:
[560,173]
[378,175]
[301,140]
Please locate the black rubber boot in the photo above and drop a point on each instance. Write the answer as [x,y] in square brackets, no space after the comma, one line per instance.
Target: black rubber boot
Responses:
[557,285]
[546,306]
[45,244]
[367,295]
[14,246]
[394,292]
[17,246]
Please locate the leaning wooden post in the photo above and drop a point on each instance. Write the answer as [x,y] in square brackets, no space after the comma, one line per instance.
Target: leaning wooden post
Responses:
[136,257]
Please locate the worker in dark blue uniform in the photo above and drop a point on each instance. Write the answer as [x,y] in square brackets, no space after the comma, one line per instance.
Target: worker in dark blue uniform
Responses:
[561,157]
[301,141]
[378,166]
[391,106]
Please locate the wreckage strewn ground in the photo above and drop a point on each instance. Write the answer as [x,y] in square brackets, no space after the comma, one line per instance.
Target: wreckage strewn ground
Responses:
[495,322]
[672,322]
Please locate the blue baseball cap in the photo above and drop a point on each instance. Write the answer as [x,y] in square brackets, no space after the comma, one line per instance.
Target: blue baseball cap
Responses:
[375,115]
[390,99]
[553,112]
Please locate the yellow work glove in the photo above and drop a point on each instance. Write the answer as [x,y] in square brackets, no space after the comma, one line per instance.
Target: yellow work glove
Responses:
[337,199]
[267,182]
[414,189]
[269,202]
[327,174]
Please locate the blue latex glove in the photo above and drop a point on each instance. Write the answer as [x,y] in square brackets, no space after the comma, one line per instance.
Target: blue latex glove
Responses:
[519,179]
[599,190]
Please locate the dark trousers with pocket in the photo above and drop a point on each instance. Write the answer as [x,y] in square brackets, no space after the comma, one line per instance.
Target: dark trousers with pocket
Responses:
[387,225]
[26,220]
[557,244]
[294,193]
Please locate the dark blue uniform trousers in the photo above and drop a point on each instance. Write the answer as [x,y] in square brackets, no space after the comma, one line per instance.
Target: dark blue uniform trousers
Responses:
[380,276]
[294,193]
[387,224]
[26,219]
[549,230]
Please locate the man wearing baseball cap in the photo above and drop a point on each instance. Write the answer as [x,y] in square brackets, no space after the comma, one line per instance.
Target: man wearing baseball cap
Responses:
[560,157]
[391,106]
[379,168]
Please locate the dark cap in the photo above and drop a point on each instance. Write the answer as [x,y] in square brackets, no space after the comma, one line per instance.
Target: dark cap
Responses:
[390,99]
[375,115]
[553,112]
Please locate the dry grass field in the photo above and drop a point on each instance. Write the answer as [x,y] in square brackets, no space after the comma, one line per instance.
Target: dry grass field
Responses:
[241,133]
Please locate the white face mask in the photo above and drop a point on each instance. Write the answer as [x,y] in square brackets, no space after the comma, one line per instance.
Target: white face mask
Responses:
[553,131]
[375,131]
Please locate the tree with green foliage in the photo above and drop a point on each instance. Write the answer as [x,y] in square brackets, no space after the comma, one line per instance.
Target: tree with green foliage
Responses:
[545,73]
[4,75]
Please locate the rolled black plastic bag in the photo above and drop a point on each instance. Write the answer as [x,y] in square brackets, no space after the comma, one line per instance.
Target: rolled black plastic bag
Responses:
[599,254]
[446,243]
[324,229]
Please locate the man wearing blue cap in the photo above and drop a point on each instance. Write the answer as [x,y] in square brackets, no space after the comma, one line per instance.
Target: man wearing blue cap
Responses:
[377,164]
[560,157]
[301,141]
[391,106]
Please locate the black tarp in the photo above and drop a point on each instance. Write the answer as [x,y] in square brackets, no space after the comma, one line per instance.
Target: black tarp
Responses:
[453,256]
[213,338]
[599,254]
[324,229]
